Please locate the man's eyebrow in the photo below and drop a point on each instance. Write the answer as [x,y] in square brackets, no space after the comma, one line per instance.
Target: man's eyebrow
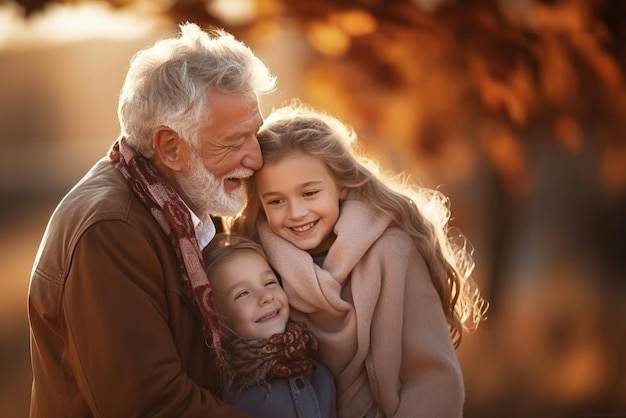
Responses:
[243,132]
[253,130]
[234,135]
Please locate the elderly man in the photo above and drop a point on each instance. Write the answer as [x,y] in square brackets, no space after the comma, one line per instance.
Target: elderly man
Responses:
[122,323]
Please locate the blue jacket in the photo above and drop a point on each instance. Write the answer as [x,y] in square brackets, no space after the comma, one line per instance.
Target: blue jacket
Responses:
[310,395]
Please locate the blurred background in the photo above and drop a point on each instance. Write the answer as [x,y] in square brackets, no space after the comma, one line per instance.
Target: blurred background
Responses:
[516,109]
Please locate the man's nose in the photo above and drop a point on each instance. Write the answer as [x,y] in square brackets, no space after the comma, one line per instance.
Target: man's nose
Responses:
[252,158]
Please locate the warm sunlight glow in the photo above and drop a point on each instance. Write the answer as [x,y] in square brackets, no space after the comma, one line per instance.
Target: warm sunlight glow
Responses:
[65,24]
[328,39]
[235,12]
[355,22]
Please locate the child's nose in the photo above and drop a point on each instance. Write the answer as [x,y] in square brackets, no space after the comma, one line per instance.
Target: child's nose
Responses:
[297,210]
[266,297]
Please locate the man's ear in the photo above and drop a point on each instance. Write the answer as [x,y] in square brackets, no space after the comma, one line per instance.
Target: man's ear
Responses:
[169,148]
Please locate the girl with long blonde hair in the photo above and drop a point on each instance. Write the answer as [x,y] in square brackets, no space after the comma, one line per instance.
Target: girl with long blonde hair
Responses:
[369,264]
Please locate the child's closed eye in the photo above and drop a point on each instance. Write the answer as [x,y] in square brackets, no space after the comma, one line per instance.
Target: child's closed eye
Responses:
[270,283]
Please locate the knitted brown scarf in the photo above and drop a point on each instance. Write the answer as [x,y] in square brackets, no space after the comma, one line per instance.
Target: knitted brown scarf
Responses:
[252,362]
[174,218]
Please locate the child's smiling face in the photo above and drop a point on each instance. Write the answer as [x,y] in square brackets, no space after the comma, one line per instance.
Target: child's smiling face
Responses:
[249,296]
[300,200]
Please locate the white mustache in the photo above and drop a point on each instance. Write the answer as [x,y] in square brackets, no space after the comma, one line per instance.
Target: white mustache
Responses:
[239,173]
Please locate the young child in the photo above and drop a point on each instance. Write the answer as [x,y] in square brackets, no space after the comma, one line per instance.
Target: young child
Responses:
[269,369]
[367,264]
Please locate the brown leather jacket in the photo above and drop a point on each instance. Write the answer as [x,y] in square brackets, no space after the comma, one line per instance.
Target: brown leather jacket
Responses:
[112,334]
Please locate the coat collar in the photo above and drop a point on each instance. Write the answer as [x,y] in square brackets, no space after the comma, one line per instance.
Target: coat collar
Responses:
[310,287]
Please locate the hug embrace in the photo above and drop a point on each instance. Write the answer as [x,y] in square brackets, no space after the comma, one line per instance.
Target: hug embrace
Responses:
[347,295]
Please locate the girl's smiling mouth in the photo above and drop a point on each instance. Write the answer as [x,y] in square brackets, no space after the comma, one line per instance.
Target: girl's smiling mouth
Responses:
[304,228]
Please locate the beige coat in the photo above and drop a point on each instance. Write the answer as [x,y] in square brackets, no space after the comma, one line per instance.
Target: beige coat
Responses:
[378,318]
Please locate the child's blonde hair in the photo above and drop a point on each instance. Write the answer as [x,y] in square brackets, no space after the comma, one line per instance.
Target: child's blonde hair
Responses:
[423,213]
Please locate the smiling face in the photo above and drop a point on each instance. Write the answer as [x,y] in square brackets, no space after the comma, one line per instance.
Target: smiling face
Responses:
[249,296]
[229,151]
[300,200]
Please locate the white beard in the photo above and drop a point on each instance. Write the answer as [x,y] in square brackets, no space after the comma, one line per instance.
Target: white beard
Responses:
[206,192]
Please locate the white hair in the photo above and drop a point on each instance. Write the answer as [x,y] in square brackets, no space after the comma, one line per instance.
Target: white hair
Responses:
[169,82]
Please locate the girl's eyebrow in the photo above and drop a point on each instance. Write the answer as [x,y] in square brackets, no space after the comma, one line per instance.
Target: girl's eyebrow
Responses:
[231,288]
[300,186]
[268,272]
[238,283]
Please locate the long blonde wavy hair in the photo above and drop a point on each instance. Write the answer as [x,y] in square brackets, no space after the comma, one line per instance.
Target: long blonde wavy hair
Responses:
[423,213]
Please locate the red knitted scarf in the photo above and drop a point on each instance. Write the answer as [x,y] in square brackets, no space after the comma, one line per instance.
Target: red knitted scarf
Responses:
[173,216]
[252,362]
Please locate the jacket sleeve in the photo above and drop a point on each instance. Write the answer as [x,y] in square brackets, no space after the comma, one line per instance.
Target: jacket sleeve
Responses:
[431,382]
[119,343]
